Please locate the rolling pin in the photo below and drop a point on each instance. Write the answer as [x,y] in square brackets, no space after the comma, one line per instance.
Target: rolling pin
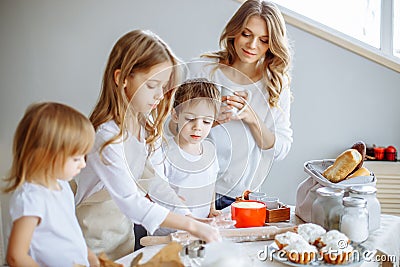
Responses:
[235,235]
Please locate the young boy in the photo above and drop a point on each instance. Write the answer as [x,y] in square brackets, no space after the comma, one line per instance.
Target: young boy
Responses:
[190,161]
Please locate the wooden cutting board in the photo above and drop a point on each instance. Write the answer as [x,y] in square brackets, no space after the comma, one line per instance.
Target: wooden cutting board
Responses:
[235,235]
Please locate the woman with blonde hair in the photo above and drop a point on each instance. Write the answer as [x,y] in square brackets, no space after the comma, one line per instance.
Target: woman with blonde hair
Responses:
[252,69]
[138,84]
[49,149]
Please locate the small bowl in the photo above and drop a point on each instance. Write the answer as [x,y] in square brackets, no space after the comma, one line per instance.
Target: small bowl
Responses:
[271,202]
[257,195]
[248,213]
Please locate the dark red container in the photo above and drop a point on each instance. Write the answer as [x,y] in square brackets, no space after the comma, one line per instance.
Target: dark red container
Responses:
[379,153]
[391,153]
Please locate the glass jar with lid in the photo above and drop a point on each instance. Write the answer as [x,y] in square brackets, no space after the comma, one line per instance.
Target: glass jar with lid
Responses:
[354,219]
[327,199]
[374,207]
[334,216]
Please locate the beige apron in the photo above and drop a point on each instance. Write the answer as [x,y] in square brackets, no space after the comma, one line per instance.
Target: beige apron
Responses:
[105,227]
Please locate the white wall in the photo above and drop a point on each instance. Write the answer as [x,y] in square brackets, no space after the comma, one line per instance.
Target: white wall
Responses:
[56,50]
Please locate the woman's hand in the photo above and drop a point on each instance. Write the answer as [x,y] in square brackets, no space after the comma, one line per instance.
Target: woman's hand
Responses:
[264,138]
[224,114]
[237,108]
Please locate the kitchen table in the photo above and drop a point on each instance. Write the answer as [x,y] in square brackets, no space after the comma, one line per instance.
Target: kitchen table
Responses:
[386,241]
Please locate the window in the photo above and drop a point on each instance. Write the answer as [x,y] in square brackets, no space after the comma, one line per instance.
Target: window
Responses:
[356,18]
[396,28]
[368,27]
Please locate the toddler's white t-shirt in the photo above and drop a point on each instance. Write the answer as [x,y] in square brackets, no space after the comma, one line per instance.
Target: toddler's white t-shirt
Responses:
[58,240]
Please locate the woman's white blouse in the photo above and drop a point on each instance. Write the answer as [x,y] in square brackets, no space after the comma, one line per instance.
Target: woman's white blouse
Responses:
[243,164]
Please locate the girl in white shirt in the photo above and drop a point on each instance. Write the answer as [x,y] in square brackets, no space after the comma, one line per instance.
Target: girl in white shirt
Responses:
[138,83]
[49,147]
[254,62]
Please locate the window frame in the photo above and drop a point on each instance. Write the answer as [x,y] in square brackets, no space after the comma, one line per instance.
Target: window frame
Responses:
[383,56]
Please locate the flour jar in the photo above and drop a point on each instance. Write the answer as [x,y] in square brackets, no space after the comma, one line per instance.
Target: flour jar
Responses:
[354,219]
[374,207]
[327,199]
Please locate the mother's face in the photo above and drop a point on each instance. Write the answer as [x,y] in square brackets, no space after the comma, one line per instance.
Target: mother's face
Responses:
[252,42]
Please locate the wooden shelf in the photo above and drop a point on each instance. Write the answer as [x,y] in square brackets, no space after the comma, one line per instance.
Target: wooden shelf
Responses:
[387,183]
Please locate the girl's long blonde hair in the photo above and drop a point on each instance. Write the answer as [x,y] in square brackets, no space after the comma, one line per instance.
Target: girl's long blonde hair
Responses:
[136,51]
[46,136]
[277,60]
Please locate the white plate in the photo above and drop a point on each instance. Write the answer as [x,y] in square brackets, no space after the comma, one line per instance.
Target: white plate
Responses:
[278,256]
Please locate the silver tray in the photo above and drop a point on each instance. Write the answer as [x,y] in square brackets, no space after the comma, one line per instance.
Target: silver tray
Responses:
[315,168]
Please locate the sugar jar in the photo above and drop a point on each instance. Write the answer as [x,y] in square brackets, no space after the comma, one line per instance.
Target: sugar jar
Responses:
[354,219]
[374,207]
[327,200]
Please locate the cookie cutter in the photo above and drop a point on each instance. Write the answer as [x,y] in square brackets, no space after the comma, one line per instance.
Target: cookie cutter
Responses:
[195,249]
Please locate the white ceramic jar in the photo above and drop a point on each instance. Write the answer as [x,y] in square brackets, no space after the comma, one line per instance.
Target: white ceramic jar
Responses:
[374,207]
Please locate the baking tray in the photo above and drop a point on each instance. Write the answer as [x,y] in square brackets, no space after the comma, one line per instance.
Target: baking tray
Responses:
[315,168]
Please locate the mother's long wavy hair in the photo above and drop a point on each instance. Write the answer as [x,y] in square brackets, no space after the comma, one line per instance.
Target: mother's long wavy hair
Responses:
[136,51]
[277,60]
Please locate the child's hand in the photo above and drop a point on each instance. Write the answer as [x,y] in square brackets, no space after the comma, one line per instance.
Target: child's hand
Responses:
[214,213]
[205,232]
[223,221]
[203,220]
[93,260]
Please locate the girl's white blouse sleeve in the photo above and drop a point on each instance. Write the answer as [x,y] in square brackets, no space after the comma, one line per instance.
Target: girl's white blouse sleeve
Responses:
[117,178]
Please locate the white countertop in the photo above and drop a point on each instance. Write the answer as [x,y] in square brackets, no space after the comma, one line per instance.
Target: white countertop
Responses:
[386,240]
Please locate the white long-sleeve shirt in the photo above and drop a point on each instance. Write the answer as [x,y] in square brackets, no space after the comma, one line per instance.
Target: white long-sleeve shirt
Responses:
[243,164]
[125,163]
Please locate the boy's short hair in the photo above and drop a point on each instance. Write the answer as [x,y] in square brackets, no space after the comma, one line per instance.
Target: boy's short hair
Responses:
[194,90]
